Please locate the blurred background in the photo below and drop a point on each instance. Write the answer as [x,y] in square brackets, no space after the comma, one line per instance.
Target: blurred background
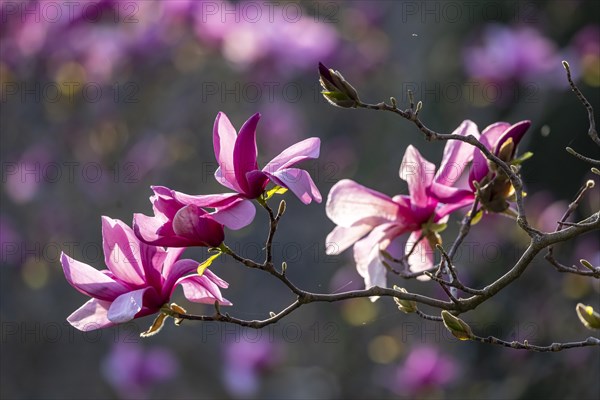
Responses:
[101,99]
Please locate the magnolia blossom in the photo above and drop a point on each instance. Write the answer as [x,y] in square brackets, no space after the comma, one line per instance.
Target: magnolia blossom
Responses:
[238,171]
[360,211]
[139,280]
[175,224]
[502,139]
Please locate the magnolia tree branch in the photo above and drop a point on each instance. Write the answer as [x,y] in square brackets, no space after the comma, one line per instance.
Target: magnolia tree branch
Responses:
[525,345]
[592,132]
[456,305]
[592,271]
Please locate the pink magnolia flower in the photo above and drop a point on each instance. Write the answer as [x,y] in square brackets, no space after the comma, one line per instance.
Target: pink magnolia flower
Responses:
[502,140]
[175,224]
[139,280]
[238,171]
[495,137]
[360,211]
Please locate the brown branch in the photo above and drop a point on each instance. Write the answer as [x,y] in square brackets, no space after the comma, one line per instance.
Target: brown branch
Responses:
[560,225]
[428,317]
[582,157]
[592,132]
[525,345]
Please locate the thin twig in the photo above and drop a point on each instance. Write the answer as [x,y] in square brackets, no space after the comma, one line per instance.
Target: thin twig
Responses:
[591,341]
[592,129]
[559,227]
[428,317]
[582,157]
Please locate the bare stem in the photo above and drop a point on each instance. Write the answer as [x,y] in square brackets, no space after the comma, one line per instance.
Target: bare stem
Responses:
[554,347]
[592,132]
[560,225]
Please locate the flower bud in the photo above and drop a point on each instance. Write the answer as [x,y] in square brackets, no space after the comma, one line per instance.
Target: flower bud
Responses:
[406,306]
[588,317]
[506,151]
[281,209]
[457,326]
[336,89]
[587,264]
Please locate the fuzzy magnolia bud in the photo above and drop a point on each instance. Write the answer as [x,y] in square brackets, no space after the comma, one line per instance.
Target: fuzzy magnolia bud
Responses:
[457,326]
[336,89]
[588,317]
[281,209]
[587,264]
[406,306]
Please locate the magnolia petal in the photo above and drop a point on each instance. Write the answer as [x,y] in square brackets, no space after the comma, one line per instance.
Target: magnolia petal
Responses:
[122,251]
[244,151]
[176,271]
[173,254]
[224,138]
[368,258]
[257,181]
[514,132]
[349,202]
[340,238]
[299,182]
[448,194]
[209,201]
[306,149]
[146,228]
[163,202]
[418,173]
[225,177]
[457,155]
[421,257]
[492,134]
[479,168]
[90,281]
[126,306]
[199,228]
[215,279]
[491,138]
[91,316]
[200,289]
[449,208]
[237,215]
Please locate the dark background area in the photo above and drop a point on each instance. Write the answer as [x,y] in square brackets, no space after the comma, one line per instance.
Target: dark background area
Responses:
[101,100]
